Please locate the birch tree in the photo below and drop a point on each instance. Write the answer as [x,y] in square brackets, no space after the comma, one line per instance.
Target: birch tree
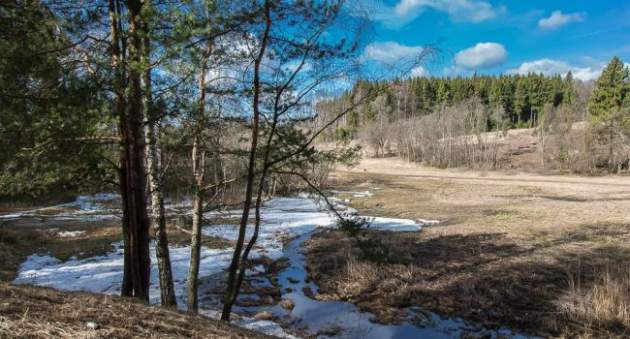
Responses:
[153,156]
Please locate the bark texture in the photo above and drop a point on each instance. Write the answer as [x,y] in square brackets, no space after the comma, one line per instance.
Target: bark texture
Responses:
[158,218]
[136,237]
[198,165]
[118,54]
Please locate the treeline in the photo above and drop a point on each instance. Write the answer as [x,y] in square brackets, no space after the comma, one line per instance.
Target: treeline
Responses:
[448,122]
[516,100]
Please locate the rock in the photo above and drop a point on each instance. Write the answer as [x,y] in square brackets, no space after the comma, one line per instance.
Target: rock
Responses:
[267,300]
[264,315]
[91,325]
[308,292]
[287,304]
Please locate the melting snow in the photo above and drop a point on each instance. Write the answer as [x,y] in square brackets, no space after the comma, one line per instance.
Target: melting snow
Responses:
[71,234]
[282,218]
[83,208]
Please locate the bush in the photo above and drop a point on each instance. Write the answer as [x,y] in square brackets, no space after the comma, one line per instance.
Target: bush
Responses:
[354,225]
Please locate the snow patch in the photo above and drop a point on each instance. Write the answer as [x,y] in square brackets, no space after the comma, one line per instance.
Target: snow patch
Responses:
[71,234]
[282,218]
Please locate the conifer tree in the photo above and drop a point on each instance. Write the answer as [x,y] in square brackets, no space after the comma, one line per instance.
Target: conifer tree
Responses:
[606,106]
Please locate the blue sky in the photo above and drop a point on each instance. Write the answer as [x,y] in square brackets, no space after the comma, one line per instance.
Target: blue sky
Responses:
[495,36]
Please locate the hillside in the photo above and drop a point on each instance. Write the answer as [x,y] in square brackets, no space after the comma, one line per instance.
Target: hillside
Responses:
[37,312]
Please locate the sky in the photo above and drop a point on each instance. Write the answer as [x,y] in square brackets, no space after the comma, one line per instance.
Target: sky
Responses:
[501,36]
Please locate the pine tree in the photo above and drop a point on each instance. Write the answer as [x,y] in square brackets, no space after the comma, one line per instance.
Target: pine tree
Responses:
[606,105]
[51,117]
[569,95]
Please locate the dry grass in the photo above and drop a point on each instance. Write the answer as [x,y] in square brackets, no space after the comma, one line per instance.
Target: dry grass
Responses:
[500,255]
[602,305]
[35,312]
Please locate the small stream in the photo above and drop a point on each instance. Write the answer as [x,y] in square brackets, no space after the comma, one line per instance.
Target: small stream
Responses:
[297,218]
[338,319]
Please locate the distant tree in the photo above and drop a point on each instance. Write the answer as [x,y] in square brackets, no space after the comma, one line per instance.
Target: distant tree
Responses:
[607,106]
[569,95]
[521,102]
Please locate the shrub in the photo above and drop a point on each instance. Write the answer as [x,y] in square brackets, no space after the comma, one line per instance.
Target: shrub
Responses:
[353,225]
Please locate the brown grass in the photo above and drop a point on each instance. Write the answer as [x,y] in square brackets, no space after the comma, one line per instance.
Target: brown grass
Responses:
[500,256]
[602,305]
[36,312]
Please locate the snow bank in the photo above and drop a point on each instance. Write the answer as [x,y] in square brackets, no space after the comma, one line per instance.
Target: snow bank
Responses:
[281,218]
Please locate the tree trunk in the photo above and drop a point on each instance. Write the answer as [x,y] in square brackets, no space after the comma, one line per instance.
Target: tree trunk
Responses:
[198,158]
[258,204]
[158,221]
[158,218]
[134,144]
[198,167]
[232,286]
[117,61]
[611,149]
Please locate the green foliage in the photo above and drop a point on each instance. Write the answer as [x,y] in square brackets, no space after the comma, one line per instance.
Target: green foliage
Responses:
[344,134]
[353,225]
[519,98]
[49,114]
[610,92]
[609,109]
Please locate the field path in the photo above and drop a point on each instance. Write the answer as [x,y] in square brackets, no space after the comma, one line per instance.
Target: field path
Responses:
[399,167]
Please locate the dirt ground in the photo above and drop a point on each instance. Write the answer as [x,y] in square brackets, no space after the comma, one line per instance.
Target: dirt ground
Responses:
[544,255]
[37,312]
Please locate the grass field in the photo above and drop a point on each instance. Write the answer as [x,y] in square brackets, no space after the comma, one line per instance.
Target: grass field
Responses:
[545,255]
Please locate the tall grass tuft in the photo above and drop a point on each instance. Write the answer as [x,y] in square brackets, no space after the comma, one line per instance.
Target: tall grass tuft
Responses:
[605,303]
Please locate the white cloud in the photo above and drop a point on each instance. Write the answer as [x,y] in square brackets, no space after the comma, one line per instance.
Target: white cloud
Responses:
[418,72]
[482,55]
[454,71]
[553,67]
[544,66]
[407,10]
[587,73]
[559,19]
[462,10]
[391,52]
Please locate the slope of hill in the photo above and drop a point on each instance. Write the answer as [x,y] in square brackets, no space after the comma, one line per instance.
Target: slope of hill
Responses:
[36,312]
